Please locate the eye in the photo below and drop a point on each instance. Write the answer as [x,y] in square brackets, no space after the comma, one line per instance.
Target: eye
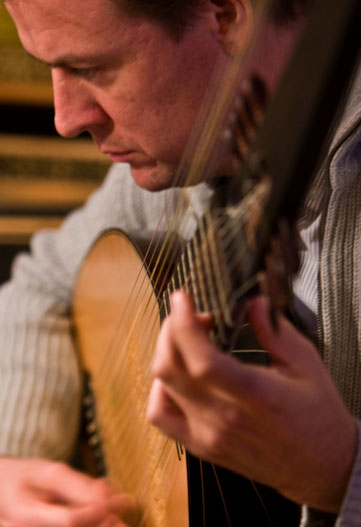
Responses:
[85,73]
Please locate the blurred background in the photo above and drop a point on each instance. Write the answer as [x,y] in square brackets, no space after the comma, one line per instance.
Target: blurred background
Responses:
[42,177]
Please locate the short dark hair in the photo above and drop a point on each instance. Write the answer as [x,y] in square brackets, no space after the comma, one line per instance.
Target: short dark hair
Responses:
[285,11]
[174,15]
[177,15]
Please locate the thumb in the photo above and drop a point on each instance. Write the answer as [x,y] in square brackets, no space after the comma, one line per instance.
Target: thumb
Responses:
[286,345]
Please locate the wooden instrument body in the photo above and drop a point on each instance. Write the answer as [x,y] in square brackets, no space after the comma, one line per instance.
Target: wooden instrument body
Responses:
[117,321]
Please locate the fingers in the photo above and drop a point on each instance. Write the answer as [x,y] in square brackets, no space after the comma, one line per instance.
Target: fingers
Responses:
[186,360]
[37,513]
[121,503]
[94,516]
[77,489]
[163,412]
[190,331]
[44,514]
[250,418]
[191,372]
[42,493]
[104,511]
[184,330]
[190,365]
[286,345]
[66,485]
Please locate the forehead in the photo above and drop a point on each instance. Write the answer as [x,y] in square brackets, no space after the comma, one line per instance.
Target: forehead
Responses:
[74,25]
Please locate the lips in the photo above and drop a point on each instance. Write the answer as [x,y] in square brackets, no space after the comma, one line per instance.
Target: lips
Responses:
[134,158]
[121,157]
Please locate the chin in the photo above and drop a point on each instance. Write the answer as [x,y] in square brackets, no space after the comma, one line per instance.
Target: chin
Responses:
[154,178]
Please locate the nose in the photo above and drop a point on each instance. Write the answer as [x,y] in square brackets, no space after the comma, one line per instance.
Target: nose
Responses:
[76,108]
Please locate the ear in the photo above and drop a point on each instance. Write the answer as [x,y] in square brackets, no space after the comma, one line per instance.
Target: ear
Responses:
[231,23]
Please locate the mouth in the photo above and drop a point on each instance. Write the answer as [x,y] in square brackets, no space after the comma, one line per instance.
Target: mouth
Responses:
[134,158]
[121,157]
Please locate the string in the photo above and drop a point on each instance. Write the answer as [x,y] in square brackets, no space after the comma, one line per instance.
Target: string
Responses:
[207,128]
[166,250]
[207,305]
[116,423]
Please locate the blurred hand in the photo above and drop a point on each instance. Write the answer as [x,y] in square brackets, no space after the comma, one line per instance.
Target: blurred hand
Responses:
[41,493]
[283,425]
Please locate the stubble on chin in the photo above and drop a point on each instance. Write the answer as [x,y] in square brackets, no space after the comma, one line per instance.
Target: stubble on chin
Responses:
[156,178]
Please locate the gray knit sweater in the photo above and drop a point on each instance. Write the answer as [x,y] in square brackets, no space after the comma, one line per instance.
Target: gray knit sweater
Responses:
[40,386]
[337,195]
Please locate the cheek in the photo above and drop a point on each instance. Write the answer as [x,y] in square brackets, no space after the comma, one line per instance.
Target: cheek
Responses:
[157,104]
[170,112]
[174,106]
[156,118]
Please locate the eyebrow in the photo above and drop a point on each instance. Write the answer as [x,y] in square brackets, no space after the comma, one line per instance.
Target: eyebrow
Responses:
[63,61]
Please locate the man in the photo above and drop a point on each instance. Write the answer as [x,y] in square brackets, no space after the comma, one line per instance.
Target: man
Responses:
[126,73]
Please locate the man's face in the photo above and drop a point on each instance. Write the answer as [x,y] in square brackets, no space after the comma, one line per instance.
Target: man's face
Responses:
[136,90]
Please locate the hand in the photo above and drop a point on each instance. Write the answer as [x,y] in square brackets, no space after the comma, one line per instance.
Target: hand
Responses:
[283,425]
[41,493]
